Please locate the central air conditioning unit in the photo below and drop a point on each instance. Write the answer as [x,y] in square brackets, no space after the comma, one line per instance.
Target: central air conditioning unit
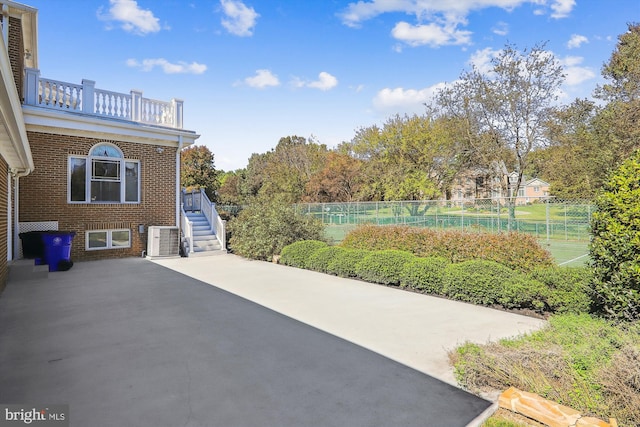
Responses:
[163,241]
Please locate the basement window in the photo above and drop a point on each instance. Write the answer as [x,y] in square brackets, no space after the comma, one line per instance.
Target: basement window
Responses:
[108,239]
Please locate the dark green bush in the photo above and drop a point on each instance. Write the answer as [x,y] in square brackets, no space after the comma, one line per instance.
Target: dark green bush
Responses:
[522,292]
[425,274]
[478,282]
[518,251]
[345,264]
[568,288]
[383,267]
[267,225]
[615,244]
[320,259]
[298,254]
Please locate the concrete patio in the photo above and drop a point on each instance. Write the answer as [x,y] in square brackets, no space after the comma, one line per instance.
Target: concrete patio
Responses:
[138,343]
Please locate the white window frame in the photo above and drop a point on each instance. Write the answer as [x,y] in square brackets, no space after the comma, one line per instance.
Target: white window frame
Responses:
[89,178]
[109,234]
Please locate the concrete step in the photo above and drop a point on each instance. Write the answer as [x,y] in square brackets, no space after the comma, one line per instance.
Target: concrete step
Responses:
[206,245]
[207,253]
[25,269]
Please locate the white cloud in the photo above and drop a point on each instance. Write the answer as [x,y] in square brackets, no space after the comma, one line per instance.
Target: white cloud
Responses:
[405,100]
[576,41]
[430,34]
[262,79]
[325,82]
[131,17]
[575,74]
[562,8]
[240,19]
[439,22]
[167,67]
[501,29]
[481,59]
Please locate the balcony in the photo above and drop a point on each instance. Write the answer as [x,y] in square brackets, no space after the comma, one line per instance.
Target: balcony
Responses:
[86,99]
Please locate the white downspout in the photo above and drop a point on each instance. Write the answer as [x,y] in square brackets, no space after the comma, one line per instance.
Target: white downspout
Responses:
[178,187]
[9,223]
[16,207]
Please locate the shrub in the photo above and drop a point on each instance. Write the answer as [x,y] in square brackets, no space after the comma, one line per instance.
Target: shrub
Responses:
[320,259]
[298,254]
[345,264]
[520,291]
[267,225]
[615,244]
[383,267]
[518,251]
[477,282]
[590,364]
[568,288]
[425,274]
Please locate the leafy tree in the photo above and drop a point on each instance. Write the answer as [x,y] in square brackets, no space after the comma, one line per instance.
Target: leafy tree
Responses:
[285,170]
[339,180]
[576,162]
[197,170]
[409,158]
[615,243]
[229,191]
[500,114]
[268,224]
[618,121]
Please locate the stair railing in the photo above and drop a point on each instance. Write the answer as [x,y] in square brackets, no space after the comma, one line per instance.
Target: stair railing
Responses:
[217,224]
[187,229]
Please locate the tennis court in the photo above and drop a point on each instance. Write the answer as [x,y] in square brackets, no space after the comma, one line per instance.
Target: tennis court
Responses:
[561,226]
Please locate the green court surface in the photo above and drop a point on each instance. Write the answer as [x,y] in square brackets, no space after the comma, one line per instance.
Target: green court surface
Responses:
[568,253]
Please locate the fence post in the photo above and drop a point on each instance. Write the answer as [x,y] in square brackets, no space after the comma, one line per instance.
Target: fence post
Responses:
[548,218]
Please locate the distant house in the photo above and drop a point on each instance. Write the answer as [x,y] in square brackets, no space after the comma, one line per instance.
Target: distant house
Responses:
[478,184]
[102,164]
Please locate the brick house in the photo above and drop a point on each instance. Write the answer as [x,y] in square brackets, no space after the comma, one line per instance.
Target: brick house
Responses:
[479,184]
[74,157]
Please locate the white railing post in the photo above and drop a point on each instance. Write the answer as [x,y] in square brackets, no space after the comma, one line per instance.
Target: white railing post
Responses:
[31,84]
[136,105]
[88,96]
[178,107]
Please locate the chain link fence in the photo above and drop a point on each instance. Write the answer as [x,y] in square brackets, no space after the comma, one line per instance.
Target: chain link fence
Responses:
[548,219]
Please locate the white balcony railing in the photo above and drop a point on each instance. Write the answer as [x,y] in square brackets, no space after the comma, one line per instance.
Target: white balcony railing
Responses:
[87,99]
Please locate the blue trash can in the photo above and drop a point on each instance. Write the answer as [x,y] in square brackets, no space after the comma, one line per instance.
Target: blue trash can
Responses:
[57,249]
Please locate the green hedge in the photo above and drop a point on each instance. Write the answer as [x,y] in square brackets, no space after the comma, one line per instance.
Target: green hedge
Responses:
[519,251]
[567,288]
[345,264]
[383,267]
[552,289]
[298,254]
[425,274]
[320,259]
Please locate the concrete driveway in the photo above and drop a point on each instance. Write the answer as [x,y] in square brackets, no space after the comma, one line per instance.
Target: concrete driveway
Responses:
[136,343]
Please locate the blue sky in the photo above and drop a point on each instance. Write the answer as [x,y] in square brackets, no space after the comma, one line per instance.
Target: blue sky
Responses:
[253,71]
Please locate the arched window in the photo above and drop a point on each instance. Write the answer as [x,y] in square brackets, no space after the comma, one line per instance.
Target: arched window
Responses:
[104,176]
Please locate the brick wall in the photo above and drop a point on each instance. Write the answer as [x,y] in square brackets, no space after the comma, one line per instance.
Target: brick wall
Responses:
[4,189]
[16,52]
[43,193]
